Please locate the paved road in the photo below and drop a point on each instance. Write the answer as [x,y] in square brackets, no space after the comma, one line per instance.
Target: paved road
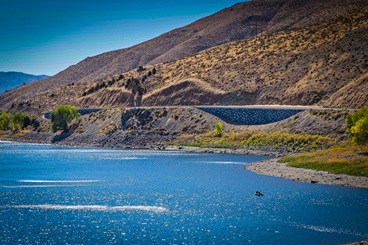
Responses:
[276,107]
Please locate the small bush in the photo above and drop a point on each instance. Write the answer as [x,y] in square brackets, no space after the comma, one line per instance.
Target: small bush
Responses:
[140,69]
[218,129]
[357,125]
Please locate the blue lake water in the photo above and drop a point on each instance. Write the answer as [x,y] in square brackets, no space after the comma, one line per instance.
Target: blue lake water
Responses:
[67,195]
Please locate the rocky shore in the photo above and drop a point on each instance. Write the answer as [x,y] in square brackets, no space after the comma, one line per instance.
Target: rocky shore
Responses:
[241,151]
[269,167]
[274,168]
[155,141]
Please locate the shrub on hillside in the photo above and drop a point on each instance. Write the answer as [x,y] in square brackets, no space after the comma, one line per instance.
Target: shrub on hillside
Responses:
[140,68]
[218,129]
[357,124]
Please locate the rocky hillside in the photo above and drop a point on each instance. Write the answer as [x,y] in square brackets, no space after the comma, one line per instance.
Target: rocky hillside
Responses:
[239,22]
[325,64]
[154,128]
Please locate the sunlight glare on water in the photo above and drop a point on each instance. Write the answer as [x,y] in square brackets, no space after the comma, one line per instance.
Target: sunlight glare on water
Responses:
[71,195]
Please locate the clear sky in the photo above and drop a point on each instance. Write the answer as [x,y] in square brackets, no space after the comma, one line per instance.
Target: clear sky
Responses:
[47,36]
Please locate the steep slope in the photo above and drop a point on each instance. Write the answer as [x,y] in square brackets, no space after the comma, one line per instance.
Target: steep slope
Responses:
[324,64]
[10,80]
[241,21]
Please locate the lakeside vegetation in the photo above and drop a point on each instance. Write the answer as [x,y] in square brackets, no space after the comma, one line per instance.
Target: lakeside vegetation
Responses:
[251,139]
[16,122]
[350,157]
[323,153]
[357,124]
[346,158]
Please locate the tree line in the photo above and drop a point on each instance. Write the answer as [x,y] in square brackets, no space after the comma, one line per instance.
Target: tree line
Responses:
[17,121]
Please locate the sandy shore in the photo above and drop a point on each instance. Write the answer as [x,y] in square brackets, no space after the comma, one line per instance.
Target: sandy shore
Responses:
[273,168]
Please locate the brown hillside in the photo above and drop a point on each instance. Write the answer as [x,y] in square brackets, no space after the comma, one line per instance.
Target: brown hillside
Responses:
[185,92]
[325,64]
[241,21]
[306,66]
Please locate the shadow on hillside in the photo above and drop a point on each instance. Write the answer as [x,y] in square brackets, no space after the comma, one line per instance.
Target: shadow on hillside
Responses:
[60,137]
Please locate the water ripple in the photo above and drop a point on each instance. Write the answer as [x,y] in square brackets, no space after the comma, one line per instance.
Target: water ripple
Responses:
[155,209]
[325,229]
[223,162]
[36,186]
[59,181]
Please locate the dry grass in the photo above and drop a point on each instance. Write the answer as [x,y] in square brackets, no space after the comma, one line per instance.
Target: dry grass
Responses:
[342,159]
[251,139]
[299,66]
[291,67]
[2,132]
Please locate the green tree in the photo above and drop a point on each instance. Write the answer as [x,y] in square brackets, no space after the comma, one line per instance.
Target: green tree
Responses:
[5,119]
[218,129]
[61,116]
[21,120]
[357,124]
[35,124]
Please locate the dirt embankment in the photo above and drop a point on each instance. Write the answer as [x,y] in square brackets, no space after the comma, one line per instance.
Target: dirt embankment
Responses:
[126,128]
[154,128]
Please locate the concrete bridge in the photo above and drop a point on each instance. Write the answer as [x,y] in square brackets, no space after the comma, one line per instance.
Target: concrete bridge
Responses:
[239,115]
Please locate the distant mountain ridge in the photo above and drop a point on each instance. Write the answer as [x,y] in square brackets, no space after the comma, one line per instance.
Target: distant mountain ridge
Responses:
[241,21]
[12,79]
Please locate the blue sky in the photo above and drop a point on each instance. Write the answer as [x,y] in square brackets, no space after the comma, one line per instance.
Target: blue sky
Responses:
[47,36]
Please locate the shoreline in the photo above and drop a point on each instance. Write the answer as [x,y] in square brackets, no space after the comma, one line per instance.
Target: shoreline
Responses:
[268,167]
[274,168]
[159,147]
[239,151]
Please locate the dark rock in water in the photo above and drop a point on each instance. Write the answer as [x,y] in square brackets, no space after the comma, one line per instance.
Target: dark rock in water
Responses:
[314,181]
[258,193]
